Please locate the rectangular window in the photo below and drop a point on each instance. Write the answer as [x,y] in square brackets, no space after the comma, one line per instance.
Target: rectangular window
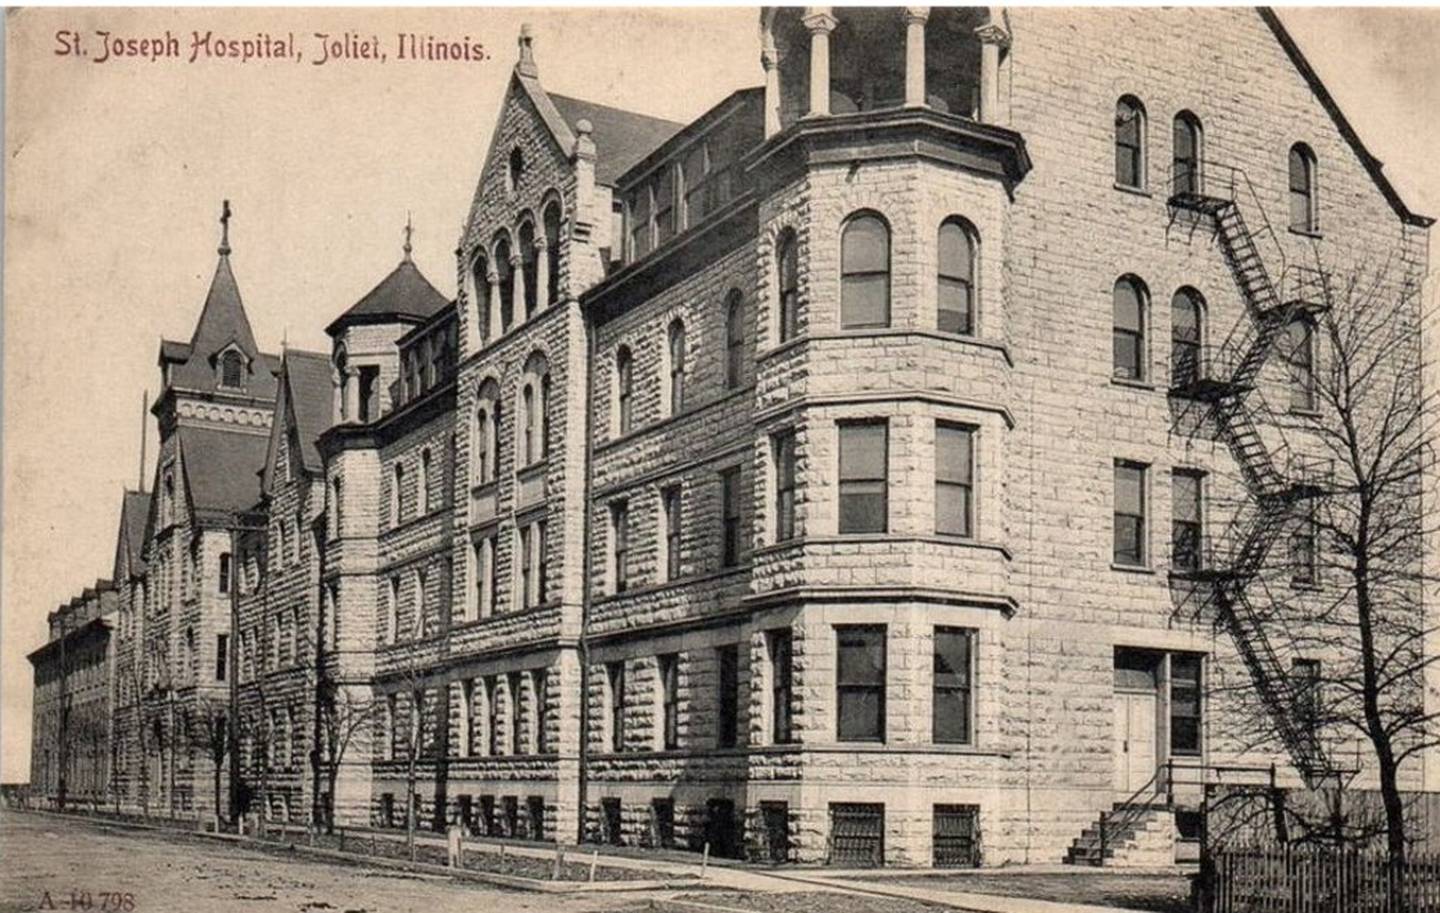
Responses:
[670,502]
[1185,703]
[619,546]
[526,558]
[693,166]
[467,700]
[784,450]
[780,686]
[1305,549]
[860,683]
[222,656]
[540,689]
[1306,692]
[669,669]
[1186,529]
[1129,514]
[1300,348]
[640,223]
[540,563]
[224,572]
[492,716]
[665,206]
[514,691]
[951,685]
[864,473]
[492,566]
[728,659]
[391,706]
[615,675]
[730,517]
[954,480]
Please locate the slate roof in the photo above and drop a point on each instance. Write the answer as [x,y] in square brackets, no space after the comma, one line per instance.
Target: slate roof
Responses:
[307,375]
[222,322]
[134,510]
[622,138]
[404,295]
[222,468]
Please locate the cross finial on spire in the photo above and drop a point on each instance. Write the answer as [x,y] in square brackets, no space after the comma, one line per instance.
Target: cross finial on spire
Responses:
[409,230]
[225,229]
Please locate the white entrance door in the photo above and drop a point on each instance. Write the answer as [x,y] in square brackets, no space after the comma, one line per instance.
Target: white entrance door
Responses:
[1134,740]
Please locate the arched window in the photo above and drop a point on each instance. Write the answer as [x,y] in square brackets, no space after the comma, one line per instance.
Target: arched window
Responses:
[956,288]
[506,272]
[675,349]
[789,269]
[515,171]
[865,272]
[480,282]
[544,416]
[397,482]
[232,367]
[1304,215]
[1300,353]
[426,462]
[1129,335]
[1185,171]
[552,254]
[485,448]
[1130,142]
[624,390]
[529,268]
[734,340]
[1187,310]
[527,405]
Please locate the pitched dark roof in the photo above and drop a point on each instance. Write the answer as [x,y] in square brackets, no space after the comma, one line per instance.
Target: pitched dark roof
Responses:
[622,137]
[404,295]
[221,468]
[134,510]
[222,323]
[1372,165]
[307,378]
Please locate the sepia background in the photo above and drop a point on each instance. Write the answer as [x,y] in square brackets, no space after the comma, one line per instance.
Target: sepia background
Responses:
[114,175]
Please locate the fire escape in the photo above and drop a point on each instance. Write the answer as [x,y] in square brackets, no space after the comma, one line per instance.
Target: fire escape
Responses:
[1280,482]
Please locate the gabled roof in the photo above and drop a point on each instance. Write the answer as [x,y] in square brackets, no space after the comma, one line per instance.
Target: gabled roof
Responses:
[1372,165]
[305,406]
[622,138]
[134,510]
[221,468]
[403,296]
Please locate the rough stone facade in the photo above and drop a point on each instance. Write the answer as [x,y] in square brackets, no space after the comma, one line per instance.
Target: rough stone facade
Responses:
[556,575]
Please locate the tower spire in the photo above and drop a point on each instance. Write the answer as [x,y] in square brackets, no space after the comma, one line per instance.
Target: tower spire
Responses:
[409,230]
[225,229]
[144,410]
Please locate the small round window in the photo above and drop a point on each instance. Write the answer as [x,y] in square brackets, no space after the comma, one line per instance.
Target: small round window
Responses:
[517,168]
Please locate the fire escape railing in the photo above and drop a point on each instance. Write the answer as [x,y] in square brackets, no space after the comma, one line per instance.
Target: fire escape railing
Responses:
[1226,569]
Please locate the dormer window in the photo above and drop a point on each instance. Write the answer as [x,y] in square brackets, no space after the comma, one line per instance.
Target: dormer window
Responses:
[232,370]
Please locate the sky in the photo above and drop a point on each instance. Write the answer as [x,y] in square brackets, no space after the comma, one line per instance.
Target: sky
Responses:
[115,171]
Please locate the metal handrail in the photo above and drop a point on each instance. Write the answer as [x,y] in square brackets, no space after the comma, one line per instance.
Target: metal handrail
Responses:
[1127,811]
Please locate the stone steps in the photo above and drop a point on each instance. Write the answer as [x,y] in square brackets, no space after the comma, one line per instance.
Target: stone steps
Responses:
[1146,839]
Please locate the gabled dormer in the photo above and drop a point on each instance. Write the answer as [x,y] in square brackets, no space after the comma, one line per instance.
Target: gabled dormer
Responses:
[233,367]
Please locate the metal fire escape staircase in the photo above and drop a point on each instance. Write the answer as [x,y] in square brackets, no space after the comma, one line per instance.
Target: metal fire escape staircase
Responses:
[1279,480]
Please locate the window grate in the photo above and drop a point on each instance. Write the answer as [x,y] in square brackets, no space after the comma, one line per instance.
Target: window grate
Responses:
[857,835]
[957,836]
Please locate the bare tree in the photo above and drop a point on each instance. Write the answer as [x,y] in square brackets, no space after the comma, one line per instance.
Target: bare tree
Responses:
[1343,598]
[344,712]
[209,730]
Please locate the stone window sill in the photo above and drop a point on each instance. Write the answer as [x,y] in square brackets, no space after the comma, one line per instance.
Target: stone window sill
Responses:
[1131,568]
[1131,383]
[1311,233]
[1133,191]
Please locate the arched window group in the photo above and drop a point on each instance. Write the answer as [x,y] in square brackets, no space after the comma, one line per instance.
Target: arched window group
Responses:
[505,271]
[552,253]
